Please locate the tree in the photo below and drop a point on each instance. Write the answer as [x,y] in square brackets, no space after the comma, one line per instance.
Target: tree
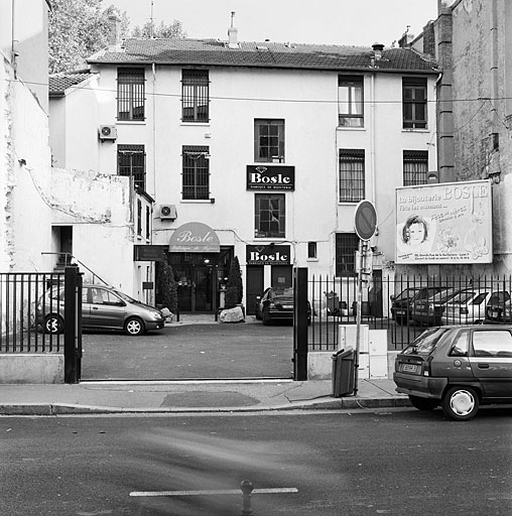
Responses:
[234,287]
[166,286]
[76,30]
[150,30]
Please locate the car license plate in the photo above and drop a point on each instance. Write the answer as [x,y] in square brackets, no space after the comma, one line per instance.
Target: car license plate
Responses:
[287,307]
[409,368]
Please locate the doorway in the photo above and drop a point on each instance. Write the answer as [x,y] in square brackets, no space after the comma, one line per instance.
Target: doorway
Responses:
[255,286]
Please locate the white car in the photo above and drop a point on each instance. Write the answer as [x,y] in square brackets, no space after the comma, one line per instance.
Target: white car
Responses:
[469,306]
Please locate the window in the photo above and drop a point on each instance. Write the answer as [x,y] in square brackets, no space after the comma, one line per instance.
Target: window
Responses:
[269,141]
[131,161]
[195,97]
[196,172]
[350,101]
[414,98]
[460,347]
[351,175]
[492,343]
[148,223]
[130,93]
[346,247]
[312,250]
[269,216]
[139,217]
[415,168]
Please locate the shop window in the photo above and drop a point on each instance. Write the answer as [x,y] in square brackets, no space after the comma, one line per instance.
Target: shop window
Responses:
[269,216]
[196,172]
[350,101]
[269,141]
[195,97]
[352,171]
[130,93]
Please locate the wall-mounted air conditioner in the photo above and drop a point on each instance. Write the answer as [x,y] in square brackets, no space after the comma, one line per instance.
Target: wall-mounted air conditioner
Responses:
[107,132]
[168,212]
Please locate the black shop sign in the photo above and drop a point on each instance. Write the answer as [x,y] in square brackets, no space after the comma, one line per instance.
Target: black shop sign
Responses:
[267,255]
[270,177]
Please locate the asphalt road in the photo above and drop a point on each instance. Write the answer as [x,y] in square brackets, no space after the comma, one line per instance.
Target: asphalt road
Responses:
[200,351]
[401,462]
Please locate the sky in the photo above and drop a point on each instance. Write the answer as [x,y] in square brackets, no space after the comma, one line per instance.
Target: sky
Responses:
[338,22]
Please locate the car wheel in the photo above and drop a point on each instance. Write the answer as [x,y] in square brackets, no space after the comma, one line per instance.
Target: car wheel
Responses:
[460,403]
[53,324]
[134,326]
[266,317]
[423,403]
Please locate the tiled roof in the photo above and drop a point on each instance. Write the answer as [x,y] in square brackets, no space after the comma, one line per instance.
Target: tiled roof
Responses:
[210,52]
[60,82]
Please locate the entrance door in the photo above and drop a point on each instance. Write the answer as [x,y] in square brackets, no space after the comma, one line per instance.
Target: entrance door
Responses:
[255,286]
[195,288]
[281,276]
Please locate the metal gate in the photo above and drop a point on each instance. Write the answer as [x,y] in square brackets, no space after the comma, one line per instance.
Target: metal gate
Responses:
[27,302]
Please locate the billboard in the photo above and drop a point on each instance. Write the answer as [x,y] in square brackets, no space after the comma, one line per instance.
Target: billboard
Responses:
[444,223]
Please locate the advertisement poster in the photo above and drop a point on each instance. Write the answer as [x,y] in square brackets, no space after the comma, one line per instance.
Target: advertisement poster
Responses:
[444,223]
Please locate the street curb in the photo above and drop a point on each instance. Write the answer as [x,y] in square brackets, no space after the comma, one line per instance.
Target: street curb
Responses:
[55,409]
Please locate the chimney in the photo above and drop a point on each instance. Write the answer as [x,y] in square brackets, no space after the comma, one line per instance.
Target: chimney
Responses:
[377,49]
[233,33]
[114,32]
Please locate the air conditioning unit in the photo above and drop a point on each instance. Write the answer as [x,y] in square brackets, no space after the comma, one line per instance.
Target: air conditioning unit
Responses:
[168,212]
[107,132]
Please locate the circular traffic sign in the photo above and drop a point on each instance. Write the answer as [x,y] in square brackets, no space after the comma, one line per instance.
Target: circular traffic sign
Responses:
[365,220]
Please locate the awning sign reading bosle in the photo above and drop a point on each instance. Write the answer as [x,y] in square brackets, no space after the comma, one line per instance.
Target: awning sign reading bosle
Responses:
[194,237]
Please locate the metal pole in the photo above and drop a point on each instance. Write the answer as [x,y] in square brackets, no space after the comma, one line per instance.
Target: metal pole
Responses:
[247,488]
[362,248]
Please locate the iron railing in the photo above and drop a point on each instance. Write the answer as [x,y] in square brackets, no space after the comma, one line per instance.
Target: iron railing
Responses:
[24,303]
[405,305]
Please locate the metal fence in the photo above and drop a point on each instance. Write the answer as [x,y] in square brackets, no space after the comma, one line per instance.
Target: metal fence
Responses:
[24,303]
[405,305]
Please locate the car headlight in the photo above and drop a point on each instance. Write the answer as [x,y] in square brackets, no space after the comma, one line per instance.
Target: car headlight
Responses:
[157,316]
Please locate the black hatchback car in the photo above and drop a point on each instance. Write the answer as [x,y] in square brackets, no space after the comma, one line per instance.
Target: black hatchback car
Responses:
[458,368]
[402,304]
[277,304]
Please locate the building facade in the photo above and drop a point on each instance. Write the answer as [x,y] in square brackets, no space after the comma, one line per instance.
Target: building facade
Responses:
[260,151]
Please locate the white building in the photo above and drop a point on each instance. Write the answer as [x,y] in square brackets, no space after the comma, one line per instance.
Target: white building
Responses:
[255,150]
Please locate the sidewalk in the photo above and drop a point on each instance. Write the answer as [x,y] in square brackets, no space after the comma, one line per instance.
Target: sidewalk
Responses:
[192,397]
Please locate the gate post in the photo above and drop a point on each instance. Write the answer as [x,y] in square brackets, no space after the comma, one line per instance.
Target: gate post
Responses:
[72,324]
[300,324]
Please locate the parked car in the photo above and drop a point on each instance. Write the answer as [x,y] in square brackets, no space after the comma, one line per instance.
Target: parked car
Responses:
[277,304]
[428,311]
[102,308]
[469,306]
[457,367]
[401,305]
[500,309]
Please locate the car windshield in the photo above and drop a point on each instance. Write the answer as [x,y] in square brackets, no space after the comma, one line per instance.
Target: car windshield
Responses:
[463,297]
[125,297]
[426,342]
[406,294]
[283,292]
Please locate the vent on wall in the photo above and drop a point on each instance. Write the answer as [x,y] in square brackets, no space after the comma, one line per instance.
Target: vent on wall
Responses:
[107,132]
[168,212]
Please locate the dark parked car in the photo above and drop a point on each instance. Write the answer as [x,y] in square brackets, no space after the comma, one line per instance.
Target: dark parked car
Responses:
[401,305]
[277,304]
[429,311]
[102,308]
[457,367]
[499,310]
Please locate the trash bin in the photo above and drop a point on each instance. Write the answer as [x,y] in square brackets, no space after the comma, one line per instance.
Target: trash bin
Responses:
[343,369]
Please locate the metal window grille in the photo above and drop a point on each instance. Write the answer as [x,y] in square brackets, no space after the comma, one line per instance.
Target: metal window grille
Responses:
[130,93]
[269,217]
[269,141]
[350,101]
[196,172]
[415,168]
[414,102]
[346,247]
[195,95]
[131,161]
[352,171]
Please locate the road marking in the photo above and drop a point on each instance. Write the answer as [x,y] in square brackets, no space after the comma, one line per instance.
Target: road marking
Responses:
[211,492]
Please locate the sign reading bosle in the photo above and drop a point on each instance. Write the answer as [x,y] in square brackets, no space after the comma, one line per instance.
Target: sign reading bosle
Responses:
[444,223]
[270,177]
[267,255]
[194,237]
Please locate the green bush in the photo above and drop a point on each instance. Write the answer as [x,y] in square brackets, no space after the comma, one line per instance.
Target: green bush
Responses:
[234,286]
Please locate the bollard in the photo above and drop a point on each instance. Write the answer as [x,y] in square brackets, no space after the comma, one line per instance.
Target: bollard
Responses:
[246,486]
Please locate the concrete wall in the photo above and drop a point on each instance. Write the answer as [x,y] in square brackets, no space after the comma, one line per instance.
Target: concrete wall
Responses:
[30,368]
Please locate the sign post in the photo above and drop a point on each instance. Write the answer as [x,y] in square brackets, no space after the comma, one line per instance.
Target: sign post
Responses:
[365,224]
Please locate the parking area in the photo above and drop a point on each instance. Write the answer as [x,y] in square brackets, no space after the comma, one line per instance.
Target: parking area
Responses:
[191,352]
